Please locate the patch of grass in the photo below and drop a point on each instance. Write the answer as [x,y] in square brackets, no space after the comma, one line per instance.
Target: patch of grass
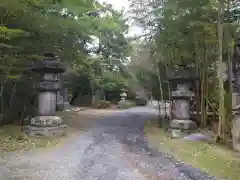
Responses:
[12,139]
[211,158]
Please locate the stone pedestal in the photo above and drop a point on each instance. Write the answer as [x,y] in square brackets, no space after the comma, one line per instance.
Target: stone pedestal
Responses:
[46,123]
[46,126]
[182,127]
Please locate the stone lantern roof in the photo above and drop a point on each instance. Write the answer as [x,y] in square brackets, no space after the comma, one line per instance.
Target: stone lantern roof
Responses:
[49,64]
[123,94]
[183,75]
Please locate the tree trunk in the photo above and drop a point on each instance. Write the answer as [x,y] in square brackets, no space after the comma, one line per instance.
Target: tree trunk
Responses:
[204,86]
[230,74]
[160,82]
[169,93]
[161,94]
[198,83]
[92,93]
[220,71]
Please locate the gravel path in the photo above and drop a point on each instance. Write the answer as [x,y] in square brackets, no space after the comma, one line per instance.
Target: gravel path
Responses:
[115,149]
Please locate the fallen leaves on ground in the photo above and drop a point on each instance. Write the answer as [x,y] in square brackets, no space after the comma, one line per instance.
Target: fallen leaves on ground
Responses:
[12,139]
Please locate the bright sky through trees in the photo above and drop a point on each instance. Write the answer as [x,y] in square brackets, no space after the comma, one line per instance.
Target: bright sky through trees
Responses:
[124,4]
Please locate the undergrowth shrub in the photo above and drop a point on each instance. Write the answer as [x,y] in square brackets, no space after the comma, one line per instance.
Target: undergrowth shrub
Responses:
[103,104]
[126,104]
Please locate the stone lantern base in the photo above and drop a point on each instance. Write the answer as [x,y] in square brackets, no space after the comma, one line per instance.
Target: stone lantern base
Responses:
[180,128]
[46,126]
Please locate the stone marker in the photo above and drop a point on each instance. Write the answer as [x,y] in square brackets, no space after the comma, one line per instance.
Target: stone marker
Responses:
[62,95]
[46,123]
[66,103]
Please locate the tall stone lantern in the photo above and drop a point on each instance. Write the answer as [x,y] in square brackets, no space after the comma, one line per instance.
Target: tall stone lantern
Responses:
[46,122]
[182,123]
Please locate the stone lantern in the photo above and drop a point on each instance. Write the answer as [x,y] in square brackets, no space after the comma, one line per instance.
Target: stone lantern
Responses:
[182,123]
[46,123]
[123,95]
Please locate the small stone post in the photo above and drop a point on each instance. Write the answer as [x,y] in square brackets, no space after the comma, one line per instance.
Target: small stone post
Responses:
[65,95]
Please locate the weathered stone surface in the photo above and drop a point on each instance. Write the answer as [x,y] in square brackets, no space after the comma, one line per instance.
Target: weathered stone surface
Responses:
[49,64]
[181,128]
[181,110]
[66,105]
[183,124]
[45,131]
[60,102]
[46,121]
[46,103]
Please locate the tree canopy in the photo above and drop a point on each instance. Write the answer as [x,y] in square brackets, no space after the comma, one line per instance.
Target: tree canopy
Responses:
[183,34]
[88,37]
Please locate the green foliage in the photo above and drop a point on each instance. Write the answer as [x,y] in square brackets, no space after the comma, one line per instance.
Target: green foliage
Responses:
[68,28]
[13,139]
[126,104]
[103,104]
[182,32]
[7,34]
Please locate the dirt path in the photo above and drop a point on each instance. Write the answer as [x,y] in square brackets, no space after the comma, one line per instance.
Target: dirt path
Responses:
[115,149]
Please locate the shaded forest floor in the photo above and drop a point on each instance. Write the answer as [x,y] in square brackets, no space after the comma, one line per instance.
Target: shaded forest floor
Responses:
[216,160]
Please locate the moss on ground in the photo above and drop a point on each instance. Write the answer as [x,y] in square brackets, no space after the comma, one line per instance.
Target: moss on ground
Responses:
[213,159]
[12,139]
